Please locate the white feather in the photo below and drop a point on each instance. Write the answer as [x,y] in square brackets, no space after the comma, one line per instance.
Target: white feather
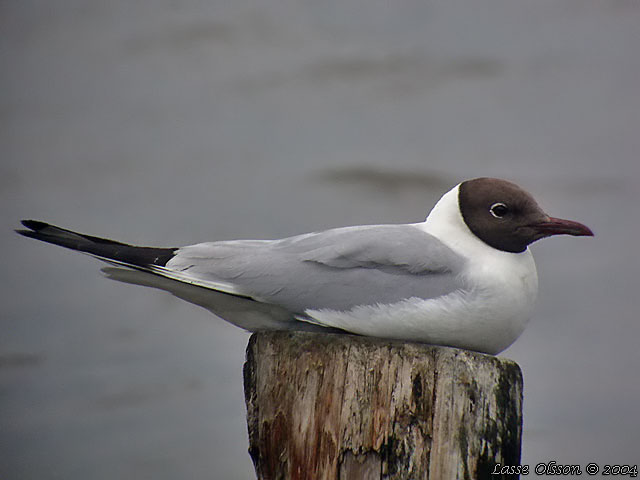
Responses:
[487,315]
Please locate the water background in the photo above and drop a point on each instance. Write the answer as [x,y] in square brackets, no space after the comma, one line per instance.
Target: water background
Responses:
[169,123]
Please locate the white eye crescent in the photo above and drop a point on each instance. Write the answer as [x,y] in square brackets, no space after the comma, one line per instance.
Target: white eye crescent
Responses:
[499,210]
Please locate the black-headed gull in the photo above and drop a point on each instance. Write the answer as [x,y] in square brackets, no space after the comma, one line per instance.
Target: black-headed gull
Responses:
[464,277]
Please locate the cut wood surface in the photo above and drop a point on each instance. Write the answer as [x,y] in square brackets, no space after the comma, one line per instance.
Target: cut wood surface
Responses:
[330,406]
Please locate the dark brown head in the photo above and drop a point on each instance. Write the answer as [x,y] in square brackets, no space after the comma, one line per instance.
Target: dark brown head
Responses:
[506,217]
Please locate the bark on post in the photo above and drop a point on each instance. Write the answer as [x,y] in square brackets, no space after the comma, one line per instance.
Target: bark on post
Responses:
[326,406]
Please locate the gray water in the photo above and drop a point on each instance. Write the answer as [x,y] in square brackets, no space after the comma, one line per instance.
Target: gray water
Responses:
[168,123]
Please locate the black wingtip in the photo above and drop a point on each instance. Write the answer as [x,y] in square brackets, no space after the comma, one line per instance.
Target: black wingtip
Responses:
[97,246]
[34,225]
[26,233]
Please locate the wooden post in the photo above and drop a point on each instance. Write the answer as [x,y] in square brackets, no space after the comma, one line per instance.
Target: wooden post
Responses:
[327,406]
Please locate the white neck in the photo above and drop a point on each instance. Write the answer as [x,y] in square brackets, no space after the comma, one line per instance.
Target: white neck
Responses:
[445,222]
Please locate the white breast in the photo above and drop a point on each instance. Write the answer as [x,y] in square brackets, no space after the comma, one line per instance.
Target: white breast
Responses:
[500,289]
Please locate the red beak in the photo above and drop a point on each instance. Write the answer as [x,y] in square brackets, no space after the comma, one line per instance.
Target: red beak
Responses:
[558,226]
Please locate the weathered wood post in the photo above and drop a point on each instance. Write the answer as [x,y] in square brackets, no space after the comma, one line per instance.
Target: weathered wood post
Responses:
[326,406]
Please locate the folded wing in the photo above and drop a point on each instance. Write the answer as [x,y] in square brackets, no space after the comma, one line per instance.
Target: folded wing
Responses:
[271,283]
[335,269]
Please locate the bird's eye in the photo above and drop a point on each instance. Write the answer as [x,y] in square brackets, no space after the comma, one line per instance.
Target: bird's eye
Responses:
[499,210]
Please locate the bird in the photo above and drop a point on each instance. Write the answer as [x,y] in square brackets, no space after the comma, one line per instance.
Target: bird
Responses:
[464,277]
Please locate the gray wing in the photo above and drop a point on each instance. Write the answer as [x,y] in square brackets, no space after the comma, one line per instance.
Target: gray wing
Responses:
[335,269]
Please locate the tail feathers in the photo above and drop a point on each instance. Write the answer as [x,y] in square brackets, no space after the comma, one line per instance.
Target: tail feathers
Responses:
[100,247]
